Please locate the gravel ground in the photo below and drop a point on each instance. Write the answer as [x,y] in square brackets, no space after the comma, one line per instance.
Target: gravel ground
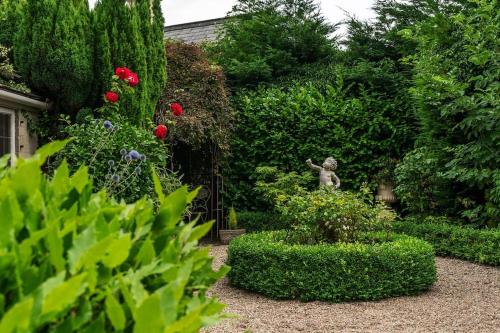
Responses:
[466,298]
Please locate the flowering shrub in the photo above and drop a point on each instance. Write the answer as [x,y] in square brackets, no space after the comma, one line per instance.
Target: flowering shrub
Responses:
[320,215]
[77,261]
[117,152]
[196,90]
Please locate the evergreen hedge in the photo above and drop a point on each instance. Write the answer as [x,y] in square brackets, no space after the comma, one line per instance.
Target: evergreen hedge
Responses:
[381,266]
[482,246]
[260,221]
[283,127]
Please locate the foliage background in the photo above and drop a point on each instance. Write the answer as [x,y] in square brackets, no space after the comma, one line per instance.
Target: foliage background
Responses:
[283,127]
[264,39]
[456,71]
[200,87]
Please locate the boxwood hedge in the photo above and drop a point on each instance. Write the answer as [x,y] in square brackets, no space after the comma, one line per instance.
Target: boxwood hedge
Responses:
[379,266]
[261,221]
[482,246]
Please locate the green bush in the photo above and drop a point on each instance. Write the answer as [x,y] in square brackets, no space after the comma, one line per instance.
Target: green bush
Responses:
[261,221]
[326,214]
[332,215]
[98,147]
[264,39]
[482,246]
[456,70]
[394,265]
[77,261]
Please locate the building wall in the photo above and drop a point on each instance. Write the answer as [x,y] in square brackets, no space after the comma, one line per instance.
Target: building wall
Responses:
[26,113]
[26,142]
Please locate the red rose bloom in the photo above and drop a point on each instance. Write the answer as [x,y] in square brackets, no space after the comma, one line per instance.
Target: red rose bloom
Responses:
[176,109]
[161,132]
[133,80]
[123,72]
[112,97]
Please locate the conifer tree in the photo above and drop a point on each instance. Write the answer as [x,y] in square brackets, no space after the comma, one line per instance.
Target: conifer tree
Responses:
[53,50]
[130,34]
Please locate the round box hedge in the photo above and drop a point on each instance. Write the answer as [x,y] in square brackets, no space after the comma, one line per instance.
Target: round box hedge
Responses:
[378,266]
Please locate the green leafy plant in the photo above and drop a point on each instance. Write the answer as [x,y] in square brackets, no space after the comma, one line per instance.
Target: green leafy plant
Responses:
[232,219]
[456,69]
[332,215]
[464,242]
[378,266]
[321,215]
[78,261]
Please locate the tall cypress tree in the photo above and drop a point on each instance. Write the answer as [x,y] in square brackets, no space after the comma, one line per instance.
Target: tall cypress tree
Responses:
[53,50]
[8,19]
[130,34]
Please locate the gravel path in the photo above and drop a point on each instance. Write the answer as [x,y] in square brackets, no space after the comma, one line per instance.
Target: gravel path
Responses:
[466,298]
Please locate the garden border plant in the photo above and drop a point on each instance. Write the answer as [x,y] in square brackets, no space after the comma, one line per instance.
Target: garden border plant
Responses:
[477,245]
[380,265]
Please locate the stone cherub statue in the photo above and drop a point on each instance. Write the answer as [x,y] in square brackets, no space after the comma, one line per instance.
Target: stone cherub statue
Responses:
[326,172]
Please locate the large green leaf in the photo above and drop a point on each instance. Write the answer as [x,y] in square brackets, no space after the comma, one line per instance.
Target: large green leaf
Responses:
[64,295]
[149,317]
[117,251]
[49,149]
[17,319]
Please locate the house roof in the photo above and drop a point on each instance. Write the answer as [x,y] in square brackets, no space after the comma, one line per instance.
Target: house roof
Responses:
[194,32]
[14,98]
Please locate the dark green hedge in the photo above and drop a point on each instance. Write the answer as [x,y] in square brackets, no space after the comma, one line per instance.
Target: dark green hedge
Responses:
[482,246]
[264,263]
[260,221]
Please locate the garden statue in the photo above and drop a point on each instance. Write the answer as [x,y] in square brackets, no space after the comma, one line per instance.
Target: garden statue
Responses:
[326,172]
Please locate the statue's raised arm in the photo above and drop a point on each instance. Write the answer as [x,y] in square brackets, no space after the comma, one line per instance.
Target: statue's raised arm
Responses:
[312,166]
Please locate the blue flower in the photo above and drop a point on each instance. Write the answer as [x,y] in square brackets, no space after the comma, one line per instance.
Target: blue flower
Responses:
[108,125]
[134,154]
[115,178]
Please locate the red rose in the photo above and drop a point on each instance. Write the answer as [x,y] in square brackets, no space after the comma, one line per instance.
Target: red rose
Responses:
[133,80]
[176,109]
[123,72]
[161,132]
[112,97]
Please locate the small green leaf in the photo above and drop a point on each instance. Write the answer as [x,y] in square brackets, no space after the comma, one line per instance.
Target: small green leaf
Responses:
[115,312]
[118,251]
[200,231]
[157,184]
